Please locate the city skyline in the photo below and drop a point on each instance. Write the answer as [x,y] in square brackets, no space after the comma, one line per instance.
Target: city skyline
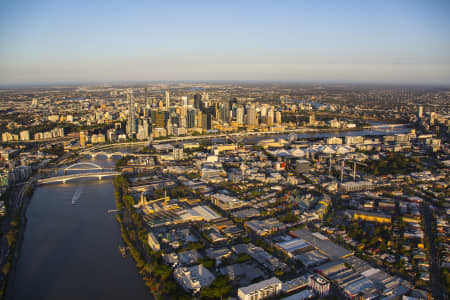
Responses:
[406,42]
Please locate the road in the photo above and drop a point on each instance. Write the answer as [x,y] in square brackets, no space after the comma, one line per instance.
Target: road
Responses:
[437,289]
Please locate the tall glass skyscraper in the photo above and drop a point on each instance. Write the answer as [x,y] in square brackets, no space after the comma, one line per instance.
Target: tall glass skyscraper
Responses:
[131,128]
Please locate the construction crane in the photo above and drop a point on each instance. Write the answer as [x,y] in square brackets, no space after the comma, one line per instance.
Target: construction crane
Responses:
[236,139]
[354,168]
[144,202]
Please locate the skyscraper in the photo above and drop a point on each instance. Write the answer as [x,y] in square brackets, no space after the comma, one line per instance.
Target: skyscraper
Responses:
[83,137]
[420,112]
[278,117]
[198,101]
[184,99]
[145,96]
[167,97]
[251,115]
[270,116]
[206,121]
[190,122]
[240,115]
[131,126]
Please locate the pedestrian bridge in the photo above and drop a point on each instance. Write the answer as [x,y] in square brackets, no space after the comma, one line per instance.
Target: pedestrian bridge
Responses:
[66,178]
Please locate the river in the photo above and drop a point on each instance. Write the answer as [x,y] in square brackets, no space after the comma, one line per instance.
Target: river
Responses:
[71,251]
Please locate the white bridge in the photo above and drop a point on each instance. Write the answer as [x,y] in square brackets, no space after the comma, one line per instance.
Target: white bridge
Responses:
[78,167]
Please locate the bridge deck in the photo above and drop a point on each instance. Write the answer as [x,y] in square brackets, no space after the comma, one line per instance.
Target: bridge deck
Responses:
[75,176]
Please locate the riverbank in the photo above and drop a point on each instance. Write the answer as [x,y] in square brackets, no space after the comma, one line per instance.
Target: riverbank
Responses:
[157,276]
[18,228]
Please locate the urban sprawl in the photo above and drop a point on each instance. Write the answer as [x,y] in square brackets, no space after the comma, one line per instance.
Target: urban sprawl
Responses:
[249,190]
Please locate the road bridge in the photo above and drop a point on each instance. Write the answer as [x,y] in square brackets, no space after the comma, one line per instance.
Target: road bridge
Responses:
[65,178]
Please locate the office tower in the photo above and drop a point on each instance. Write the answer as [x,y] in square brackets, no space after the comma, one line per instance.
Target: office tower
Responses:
[251,115]
[432,118]
[270,116]
[198,101]
[420,112]
[169,127]
[146,100]
[206,121]
[25,135]
[184,100]
[83,138]
[198,119]
[240,115]
[34,103]
[278,117]
[224,112]
[167,97]
[178,152]
[160,119]
[131,126]
[312,119]
[111,135]
[190,118]
[146,126]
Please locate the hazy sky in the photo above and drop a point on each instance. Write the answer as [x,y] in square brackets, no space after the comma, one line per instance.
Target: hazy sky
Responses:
[72,41]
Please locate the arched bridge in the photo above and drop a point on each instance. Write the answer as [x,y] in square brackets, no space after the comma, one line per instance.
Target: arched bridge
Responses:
[78,167]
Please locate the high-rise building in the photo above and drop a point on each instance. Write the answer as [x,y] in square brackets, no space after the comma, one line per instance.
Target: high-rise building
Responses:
[420,112]
[147,100]
[131,126]
[160,119]
[184,100]
[111,135]
[198,101]
[270,117]
[312,119]
[198,119]
[432,118]
[206,121]
[205,96]
[167,97]
[178,152]
[278,117]
[143,130]
[83,138]
[240,115]
[224,112]
[190,118]
[25,135]
[251,116]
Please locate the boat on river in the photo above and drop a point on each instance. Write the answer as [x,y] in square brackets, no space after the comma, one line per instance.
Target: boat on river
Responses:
[123,251]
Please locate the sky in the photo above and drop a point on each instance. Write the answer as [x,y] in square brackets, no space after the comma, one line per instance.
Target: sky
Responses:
[379,41]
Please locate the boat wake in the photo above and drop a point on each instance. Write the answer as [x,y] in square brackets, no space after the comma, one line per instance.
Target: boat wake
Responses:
[76,196]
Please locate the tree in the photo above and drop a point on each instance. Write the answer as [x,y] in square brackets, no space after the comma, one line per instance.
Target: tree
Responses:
[161,270]
[243,257]
[219,288]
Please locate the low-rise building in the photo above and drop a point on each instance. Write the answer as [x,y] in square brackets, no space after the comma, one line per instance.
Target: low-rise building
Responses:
[194,278]
[260,290]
